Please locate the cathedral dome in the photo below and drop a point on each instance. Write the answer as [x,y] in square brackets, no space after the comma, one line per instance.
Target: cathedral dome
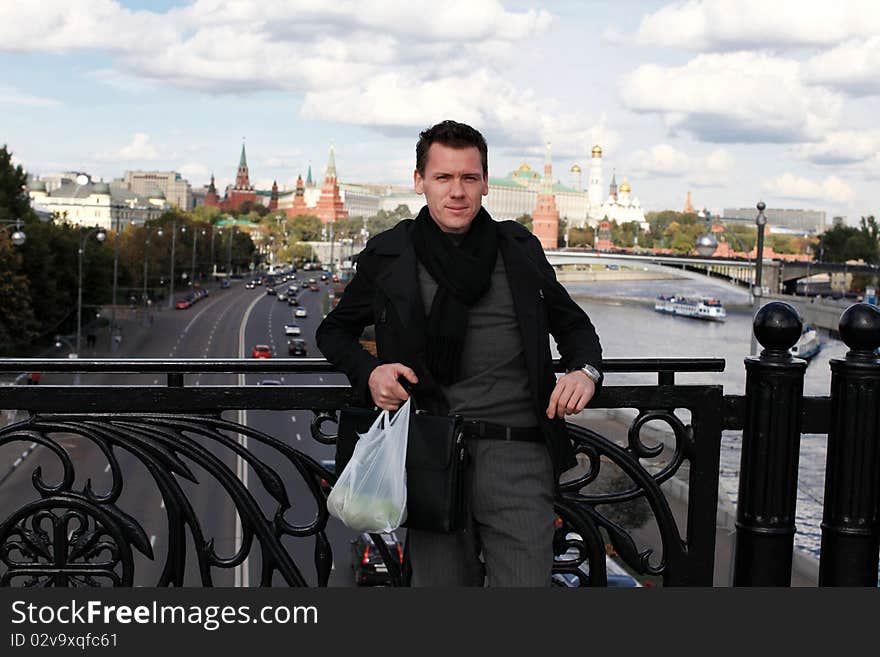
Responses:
[597,151]
[624,187]
[575,168]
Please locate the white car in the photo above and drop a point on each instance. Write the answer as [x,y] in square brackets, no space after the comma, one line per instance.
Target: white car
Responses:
[291,329]
[300,312]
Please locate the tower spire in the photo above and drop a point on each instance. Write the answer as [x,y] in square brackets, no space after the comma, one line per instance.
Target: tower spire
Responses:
[242,161]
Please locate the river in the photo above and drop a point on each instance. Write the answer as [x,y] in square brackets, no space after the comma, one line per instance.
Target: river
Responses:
[628,327]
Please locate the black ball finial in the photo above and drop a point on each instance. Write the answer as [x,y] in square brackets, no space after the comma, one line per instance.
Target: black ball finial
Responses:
[860,328]
[777,327]
[761,206]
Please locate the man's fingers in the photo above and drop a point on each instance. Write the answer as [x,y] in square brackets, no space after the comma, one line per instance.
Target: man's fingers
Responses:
[408,373]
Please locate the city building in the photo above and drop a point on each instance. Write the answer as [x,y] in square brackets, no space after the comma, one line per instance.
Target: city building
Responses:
[110,206]
[236,194]
[545,217]
[177,190]
[329,207]
[517,194]
[804,222]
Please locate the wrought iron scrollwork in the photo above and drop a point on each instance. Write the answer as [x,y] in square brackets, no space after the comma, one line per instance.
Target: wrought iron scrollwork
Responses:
[579,538]
[35,550]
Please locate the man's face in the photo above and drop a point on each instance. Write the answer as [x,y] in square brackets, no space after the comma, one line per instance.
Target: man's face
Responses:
[453,186]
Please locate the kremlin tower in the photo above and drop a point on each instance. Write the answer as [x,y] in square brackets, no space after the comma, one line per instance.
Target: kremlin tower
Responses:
[329,207]
[545,219]
[273,199]
[238,194]
[299,199]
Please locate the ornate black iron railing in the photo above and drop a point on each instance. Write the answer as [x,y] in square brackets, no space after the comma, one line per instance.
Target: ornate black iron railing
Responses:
[76,526]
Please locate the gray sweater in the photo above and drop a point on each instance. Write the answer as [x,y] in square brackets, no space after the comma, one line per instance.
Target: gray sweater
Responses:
[494,384]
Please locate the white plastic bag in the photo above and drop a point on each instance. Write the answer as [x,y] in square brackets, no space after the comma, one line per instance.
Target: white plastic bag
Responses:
[370,494]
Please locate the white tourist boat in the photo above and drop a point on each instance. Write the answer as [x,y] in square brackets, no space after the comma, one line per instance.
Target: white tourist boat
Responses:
[808,345]
[698,307]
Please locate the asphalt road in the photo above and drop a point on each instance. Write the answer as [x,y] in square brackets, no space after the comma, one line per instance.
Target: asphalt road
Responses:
[228,323]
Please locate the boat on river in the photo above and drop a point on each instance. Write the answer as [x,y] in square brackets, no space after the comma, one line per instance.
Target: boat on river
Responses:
[808,345]
[697,307]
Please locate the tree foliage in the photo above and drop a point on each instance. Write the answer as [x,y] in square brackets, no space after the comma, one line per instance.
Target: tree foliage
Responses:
[842,243]
[384,219]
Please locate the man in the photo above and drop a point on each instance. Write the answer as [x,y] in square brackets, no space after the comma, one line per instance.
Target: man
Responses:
[462,308]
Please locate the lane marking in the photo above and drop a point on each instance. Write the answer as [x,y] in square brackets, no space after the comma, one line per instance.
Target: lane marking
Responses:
[321,379]
[162,503]
[107,469]
[293,418]
[153,540]
[242,577]
[298,437]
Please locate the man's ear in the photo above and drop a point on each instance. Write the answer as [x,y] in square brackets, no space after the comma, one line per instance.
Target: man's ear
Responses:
[486,184]
[418,183]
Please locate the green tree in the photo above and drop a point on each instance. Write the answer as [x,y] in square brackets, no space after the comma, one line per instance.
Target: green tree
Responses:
[17,322]
[305,228]
[525,220]
[383,219]
[842,243]
[582,236]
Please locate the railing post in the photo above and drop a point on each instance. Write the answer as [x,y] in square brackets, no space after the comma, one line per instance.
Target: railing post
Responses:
[850,529]
[765,507]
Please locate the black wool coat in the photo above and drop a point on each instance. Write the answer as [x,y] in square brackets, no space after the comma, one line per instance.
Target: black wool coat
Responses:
[385,293]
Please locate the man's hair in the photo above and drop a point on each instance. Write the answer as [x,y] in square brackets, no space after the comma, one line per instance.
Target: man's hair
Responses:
[454,135]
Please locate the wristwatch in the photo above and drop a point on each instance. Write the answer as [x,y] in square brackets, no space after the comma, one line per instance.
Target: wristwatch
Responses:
[594,374]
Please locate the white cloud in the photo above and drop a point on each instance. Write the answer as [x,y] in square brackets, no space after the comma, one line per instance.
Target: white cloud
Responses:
[140,148]
[13,96]
[791,186]
[664,160]
[725,25]
[851,67]
[197,174]
[734,98]
[843,147]
[371,51]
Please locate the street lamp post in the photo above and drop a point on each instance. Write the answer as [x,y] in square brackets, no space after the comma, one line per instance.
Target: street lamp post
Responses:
[171,284]
[229,255]
[192,273]
[100,235]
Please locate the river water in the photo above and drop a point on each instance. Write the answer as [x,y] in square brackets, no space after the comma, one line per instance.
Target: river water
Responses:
[628,327]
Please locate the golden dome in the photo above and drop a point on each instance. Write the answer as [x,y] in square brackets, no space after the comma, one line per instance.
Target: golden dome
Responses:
[597,151]
[524,167]
[575,168]
[624,187]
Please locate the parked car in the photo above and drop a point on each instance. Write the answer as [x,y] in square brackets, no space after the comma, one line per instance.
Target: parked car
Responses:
[366,561]
[183,304]
[300,312]
[291,329]
[296,347]
[261,351]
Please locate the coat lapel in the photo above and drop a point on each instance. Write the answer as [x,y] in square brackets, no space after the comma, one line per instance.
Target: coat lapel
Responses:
[400,282]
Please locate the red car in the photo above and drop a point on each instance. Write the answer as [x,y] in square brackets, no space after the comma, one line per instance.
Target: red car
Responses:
[313,287]
[261,351]
[183,304]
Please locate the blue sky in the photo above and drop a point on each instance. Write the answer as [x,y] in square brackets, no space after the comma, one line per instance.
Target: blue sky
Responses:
[733,100]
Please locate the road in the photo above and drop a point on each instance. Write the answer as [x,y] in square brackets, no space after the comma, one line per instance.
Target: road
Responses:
[226,324]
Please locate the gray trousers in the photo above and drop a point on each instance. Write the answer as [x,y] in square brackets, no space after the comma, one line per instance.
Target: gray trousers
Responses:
[508,539]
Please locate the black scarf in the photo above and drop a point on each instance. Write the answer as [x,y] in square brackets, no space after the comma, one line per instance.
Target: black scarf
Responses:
[464,274]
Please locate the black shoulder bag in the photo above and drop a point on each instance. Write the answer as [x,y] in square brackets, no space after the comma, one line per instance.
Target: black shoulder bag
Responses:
[434,465]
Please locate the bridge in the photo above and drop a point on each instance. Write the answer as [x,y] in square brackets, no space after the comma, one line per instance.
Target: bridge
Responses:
[778,275]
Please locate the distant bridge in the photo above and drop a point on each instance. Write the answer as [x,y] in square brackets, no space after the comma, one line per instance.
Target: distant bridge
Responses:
[777,275]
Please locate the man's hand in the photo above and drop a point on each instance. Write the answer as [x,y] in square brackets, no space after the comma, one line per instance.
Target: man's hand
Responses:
[386,390]
[571,394]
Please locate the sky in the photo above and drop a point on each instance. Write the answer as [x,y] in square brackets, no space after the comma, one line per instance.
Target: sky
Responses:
[735,101]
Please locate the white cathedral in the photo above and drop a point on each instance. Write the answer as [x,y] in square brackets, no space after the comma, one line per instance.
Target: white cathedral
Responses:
[620,205]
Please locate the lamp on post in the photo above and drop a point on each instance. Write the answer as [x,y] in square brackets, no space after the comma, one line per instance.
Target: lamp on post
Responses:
[17,237]
[706,243]
[146,253]
[100,235]
[758,290]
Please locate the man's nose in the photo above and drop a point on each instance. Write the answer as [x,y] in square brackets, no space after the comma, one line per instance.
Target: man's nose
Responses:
[457,189]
